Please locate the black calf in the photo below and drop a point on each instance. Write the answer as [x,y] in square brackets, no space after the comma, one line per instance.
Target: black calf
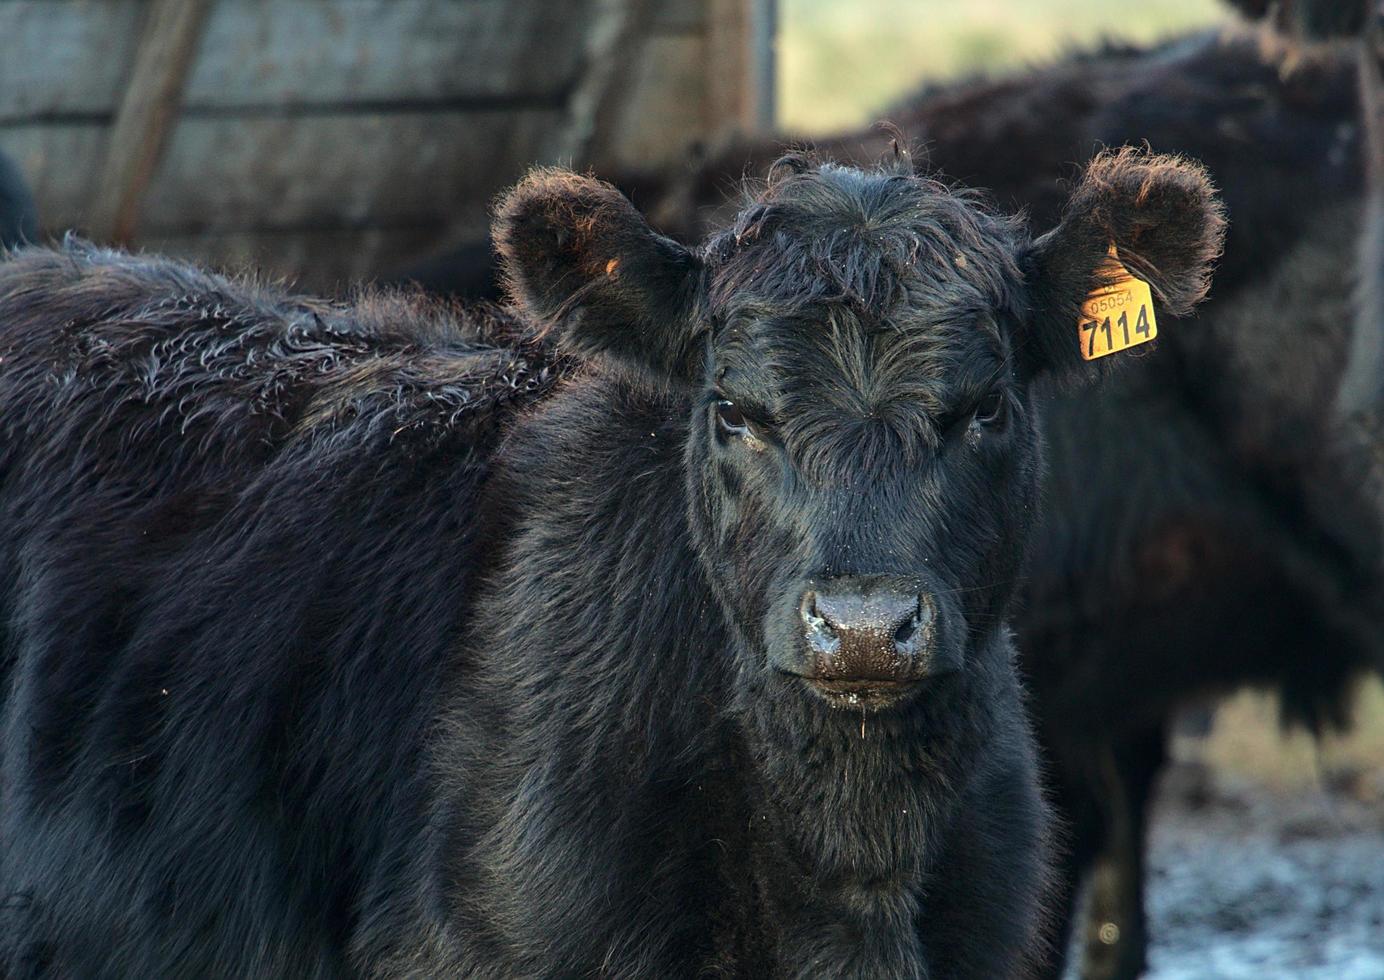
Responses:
[1208,523]
[373,640]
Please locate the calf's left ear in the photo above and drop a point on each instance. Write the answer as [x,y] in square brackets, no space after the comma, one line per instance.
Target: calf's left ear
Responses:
[1166,224]
[580,259]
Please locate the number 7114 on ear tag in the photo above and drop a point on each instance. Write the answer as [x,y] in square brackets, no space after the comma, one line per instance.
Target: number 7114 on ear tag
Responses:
[1116,316]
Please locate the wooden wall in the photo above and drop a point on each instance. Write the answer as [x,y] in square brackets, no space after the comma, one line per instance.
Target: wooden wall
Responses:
[701,71]
[330,140]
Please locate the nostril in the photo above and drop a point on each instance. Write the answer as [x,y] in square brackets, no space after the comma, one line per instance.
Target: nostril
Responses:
[820,633]
[906,631]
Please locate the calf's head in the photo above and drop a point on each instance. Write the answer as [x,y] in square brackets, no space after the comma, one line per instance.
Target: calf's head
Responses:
[855,353]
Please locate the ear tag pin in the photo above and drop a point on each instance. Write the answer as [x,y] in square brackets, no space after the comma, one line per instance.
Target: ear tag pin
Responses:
[1116,316]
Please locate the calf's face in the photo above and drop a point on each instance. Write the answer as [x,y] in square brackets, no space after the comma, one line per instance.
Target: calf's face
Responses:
[856,351]
[861,456]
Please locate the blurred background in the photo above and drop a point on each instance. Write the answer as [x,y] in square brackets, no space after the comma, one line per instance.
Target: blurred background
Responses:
[331,142]
[844,64]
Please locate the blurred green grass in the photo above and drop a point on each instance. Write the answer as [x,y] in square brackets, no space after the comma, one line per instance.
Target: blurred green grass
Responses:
[1248,740]
[842,62]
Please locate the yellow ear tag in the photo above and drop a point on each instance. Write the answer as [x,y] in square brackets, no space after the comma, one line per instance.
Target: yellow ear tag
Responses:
[1117,316]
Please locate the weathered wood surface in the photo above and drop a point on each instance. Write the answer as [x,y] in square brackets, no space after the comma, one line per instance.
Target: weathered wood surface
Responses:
[339,170]
[704,72]
[739,57]
[169,39]
[616,36]
[61,59]
[333,139]
[659,115]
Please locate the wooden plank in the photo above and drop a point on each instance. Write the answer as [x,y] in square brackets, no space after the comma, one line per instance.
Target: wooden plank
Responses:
[61,59]
[616,35]
[49,59]
[148,112]
[665,109]
[695,87]
[1362,386]
[763,76]
[338,170]
[740,71]
[331,51]
[327,262]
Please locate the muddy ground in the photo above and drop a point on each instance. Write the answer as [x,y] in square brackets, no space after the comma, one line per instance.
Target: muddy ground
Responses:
[1254,882]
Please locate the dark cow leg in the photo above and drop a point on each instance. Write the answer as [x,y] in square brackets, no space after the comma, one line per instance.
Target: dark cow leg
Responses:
[1077,860]
[1116,936]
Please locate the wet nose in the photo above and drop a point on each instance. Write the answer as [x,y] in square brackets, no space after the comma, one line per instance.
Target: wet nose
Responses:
[868,627]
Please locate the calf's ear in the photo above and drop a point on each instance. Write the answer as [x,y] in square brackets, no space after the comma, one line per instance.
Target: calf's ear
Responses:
[1166,224]
[580,259]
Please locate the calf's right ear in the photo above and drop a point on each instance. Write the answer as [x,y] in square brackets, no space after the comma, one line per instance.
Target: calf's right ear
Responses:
[580,259]
[1166,224]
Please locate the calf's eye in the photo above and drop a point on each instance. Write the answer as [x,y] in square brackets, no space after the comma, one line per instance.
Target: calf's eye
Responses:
[993,410]
[731,419]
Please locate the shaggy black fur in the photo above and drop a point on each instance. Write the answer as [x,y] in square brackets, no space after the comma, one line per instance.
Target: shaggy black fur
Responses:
[238,530]
[18,218]
[354,640]
[1207,524]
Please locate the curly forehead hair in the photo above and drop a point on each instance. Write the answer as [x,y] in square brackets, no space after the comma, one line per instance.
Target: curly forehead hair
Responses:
[820,233]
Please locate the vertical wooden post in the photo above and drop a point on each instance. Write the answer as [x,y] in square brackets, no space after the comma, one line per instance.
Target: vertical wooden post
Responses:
[763,77]
[740,65]
[1362,385]
[612,47]
[169,41]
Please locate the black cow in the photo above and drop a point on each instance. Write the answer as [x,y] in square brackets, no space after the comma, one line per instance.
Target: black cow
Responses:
[374,640]
[1208,522]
